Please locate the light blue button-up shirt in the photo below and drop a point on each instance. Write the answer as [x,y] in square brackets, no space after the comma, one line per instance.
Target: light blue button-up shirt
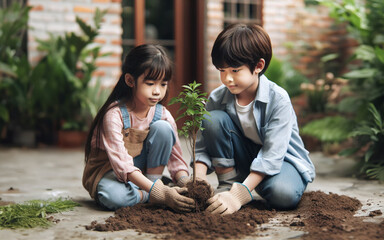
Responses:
[277,128]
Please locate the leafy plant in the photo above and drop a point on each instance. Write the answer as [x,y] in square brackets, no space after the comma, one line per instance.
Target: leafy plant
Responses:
[284,75]
[71,60]
[192,104]
[32,213]
[370,134]
[329,129]
[365,21]
[13,25]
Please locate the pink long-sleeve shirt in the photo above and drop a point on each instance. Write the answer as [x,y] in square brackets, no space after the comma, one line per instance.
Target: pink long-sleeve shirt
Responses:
[112,142]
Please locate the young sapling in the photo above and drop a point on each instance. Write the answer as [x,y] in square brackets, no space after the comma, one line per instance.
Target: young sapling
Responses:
[192,105]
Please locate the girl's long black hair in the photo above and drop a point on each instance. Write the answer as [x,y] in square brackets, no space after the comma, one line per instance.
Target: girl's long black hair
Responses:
[147,59]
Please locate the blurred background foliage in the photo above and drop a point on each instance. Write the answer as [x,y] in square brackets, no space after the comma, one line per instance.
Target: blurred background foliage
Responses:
[361,107]
[57,93]
[343,108]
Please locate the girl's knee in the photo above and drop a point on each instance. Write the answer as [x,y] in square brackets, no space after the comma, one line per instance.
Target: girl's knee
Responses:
[162,129]
[113,200]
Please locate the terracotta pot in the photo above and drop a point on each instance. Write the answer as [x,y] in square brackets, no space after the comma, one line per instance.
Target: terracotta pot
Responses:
[71,139]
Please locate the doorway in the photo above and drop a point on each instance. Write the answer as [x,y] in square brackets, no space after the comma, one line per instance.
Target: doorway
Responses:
[177,25]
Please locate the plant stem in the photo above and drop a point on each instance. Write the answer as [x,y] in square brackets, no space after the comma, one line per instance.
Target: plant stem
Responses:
[194,156]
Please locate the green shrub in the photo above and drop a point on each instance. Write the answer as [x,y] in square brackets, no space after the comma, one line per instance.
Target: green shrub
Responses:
[284,75]
[365,21]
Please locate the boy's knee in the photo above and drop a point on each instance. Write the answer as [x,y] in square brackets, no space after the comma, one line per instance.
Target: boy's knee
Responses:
[283,198]
[215,121]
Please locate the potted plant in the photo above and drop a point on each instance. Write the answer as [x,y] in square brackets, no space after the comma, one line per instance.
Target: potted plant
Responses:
[18,86]
[71,60]
[192,105]
[93,98]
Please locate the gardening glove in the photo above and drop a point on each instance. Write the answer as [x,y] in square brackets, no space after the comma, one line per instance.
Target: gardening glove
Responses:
[171,197]
[182,182]
[230,201]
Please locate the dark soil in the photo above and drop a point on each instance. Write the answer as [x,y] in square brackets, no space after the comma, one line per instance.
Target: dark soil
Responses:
[201,191]
[330,216]
[320,215]
[199,225]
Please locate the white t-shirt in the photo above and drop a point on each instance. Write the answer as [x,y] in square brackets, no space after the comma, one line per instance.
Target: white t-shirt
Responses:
[247,121]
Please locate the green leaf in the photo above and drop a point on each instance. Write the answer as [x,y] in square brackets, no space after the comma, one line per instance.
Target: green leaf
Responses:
[365,52]
[4,114]
[361,131]
[329,57]
[6,69]
[349,151]
[376,115]
[361,73]
[174,100]
[368,154]
[376,172]
[379,53]
[329,129]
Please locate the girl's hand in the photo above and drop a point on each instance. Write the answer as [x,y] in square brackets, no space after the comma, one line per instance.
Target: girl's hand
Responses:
[182,182]
[171,197]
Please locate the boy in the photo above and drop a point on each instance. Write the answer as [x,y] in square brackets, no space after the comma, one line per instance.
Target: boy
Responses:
[251,140]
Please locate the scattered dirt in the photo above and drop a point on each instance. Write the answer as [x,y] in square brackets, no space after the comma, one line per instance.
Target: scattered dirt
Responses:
[5,203]
[320,215]
[375,213]
[330,216]
[11,190]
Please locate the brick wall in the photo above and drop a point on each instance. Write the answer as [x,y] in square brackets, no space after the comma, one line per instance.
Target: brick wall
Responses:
[298,34]
[278,15]
[315,35]
[58,16]
[278,19]
[306,34]
[214,25]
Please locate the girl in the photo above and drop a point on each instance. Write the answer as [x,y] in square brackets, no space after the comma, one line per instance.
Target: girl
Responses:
[133,137]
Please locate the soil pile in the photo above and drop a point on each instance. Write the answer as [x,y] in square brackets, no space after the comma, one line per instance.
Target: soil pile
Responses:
[330,216]
[200,191]
[199,225]
[321,215]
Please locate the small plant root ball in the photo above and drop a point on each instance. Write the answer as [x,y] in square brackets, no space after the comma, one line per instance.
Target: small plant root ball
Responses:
[200,191]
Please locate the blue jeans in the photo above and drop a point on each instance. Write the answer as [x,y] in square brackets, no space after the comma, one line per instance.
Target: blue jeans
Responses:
[157,147]
[228,147]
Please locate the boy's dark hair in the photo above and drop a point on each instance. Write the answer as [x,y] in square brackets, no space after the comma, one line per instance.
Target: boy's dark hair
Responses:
[242,44]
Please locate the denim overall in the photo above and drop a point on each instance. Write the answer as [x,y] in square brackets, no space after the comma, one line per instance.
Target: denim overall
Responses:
[149,148]
[134,138]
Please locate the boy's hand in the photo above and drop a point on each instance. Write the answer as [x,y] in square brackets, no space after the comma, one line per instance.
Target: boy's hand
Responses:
[171,197]
[230,201]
